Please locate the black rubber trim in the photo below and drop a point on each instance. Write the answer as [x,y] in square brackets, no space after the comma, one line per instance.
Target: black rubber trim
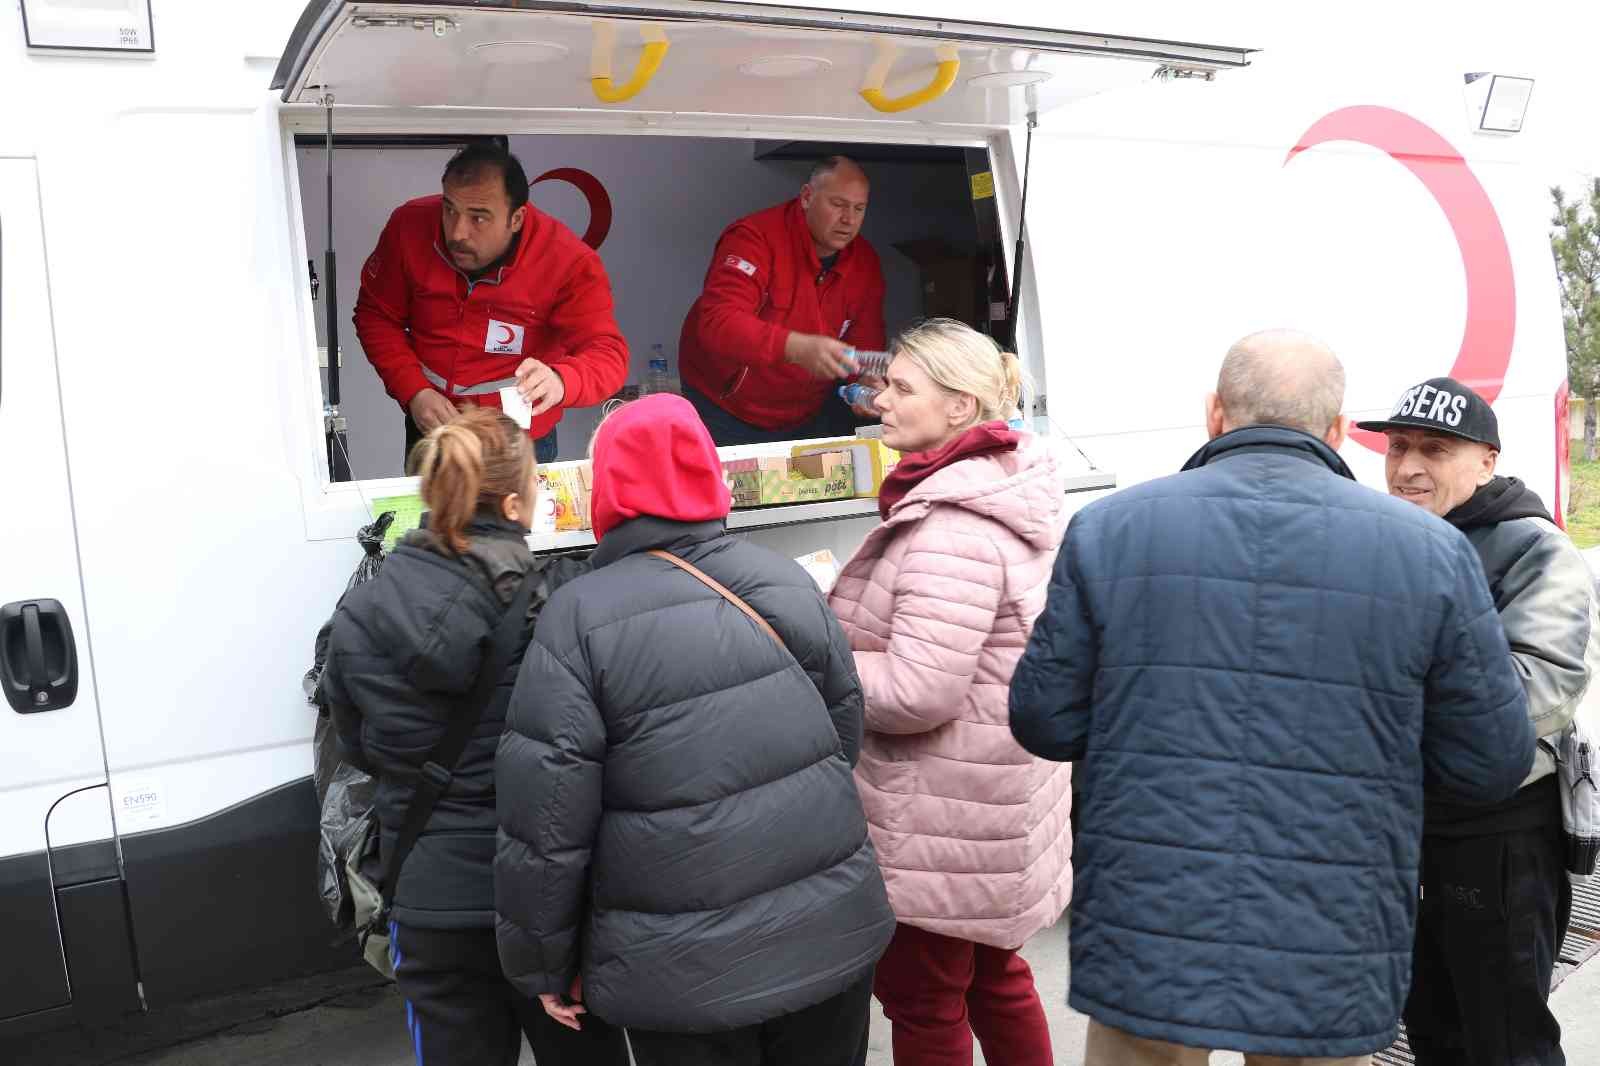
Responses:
[230,901]
[314,21]
[34,975]
[78,864]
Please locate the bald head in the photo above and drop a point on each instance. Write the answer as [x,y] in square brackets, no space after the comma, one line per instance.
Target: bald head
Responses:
[834,200]
[840,166]
[1282,378]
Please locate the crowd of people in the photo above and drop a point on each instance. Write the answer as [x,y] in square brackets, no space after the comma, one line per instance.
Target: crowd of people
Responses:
[710,811]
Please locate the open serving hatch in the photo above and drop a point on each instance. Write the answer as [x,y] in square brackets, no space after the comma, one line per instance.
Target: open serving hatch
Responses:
[706,58]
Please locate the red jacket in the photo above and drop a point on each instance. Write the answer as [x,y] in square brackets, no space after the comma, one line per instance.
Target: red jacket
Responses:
[551,302]
[762,285]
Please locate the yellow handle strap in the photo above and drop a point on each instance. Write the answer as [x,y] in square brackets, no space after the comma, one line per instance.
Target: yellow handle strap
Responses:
[949,67]
[655,50]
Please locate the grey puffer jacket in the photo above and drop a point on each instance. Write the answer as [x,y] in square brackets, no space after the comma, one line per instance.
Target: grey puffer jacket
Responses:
[678,817]
[1545,596]
[404,648]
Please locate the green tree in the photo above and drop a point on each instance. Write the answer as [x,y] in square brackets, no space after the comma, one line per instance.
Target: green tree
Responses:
[1576,243]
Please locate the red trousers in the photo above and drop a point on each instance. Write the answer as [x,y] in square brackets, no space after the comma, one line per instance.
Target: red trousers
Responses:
[939,992]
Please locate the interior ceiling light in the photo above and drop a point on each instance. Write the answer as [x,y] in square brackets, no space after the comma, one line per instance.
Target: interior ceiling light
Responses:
[1009,79]
[519,51]
[784,66]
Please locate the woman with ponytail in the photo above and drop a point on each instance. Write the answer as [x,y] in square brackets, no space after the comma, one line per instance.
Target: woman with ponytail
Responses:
[404,654]
[972,832]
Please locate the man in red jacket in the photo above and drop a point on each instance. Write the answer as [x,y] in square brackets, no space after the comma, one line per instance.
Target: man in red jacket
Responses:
[790,289]
[476,290]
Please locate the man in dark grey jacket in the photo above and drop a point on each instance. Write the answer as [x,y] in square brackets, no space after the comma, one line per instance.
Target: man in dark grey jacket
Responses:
[679,823]
[1495,893]
[1259,665]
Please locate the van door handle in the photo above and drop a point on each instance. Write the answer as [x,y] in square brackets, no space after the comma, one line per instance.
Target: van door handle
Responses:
[38,656]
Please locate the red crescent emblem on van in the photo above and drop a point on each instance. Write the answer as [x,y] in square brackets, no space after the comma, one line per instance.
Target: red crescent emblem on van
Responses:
[594,192]
[1491,288]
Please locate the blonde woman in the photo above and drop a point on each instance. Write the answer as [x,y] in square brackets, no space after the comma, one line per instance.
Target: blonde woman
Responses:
[972,832]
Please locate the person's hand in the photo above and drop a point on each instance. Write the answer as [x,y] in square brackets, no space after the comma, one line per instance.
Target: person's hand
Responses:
[822,357]
[868,409]
[566,1015]
[430,410]
[541,386]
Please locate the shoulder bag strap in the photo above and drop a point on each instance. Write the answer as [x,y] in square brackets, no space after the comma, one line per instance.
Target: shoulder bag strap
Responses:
[437,769]
[721,590]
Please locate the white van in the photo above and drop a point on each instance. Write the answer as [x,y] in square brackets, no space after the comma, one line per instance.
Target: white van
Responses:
[171,535]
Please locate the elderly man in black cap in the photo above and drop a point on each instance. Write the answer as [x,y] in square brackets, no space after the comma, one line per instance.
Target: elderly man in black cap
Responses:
[1495,893]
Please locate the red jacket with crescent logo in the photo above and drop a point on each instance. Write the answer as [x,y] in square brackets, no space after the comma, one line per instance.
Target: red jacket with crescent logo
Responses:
[552,302]
[762,286]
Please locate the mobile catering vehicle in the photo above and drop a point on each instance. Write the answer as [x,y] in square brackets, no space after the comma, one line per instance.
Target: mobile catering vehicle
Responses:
[172,182]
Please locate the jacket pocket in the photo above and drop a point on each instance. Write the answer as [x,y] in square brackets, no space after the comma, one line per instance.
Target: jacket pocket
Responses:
[893,783]
[739,378]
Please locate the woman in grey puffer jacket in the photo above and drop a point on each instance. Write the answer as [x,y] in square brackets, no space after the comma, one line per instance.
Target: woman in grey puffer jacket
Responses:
[682,848]
[405,650]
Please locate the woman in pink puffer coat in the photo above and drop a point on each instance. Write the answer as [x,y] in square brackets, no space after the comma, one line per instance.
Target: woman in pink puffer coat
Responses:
[972,832]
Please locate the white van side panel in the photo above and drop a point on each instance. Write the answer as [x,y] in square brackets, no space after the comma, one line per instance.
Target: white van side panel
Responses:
[184,367]
[1175,223]
[56,752]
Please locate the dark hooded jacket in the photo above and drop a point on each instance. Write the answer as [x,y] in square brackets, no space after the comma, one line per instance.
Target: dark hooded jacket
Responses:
[403,652]
[1545,596]
[679,821]
[1261,665]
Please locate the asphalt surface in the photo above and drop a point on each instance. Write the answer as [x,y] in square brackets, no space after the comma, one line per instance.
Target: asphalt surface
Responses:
[350,1019]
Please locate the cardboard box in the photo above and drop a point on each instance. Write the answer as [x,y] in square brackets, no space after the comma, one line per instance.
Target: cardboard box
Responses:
[951,279]
[870,459]
[572,487]
[769,480]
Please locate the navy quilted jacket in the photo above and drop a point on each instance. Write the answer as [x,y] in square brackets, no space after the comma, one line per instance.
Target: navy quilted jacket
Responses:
[1260,665]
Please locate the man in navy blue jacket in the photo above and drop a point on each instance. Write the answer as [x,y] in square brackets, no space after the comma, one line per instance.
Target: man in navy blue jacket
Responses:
[1259,665]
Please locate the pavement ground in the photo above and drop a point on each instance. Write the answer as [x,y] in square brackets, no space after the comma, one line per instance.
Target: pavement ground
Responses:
[351,1019]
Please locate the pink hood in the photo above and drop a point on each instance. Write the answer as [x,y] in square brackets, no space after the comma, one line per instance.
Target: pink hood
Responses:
[972,832]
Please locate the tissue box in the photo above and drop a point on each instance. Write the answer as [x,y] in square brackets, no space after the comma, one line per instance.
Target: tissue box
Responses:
[768,480]
[870,460]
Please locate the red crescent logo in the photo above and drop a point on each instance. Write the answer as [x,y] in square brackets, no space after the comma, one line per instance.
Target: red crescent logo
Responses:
[510,336]
[1491,287]
[594,192]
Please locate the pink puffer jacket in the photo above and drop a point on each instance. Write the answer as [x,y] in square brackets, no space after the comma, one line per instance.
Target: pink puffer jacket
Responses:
[972,832]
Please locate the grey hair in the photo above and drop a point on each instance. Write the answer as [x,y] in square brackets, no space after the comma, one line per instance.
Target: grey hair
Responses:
[1282,377]
[825,167]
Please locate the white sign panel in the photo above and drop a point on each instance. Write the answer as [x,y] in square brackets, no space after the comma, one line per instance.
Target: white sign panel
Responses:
[89,26]
[139,803]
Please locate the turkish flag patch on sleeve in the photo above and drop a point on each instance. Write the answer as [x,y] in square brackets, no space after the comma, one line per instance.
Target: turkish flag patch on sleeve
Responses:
[743,266]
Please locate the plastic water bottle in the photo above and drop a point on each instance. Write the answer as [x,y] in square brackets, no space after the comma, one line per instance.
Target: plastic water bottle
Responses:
[870,364]
[858,394]
[659,379]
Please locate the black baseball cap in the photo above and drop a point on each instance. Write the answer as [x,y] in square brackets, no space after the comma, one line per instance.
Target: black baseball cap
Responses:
[1443,405]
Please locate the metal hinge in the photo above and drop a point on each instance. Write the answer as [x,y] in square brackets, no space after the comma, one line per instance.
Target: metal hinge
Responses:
[1171,72]
[438,24]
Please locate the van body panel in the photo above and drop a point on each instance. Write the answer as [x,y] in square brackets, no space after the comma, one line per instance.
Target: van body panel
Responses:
[53,755]
[1180,218]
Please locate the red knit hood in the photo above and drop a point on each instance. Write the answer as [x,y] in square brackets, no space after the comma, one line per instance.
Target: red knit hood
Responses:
[655,457]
